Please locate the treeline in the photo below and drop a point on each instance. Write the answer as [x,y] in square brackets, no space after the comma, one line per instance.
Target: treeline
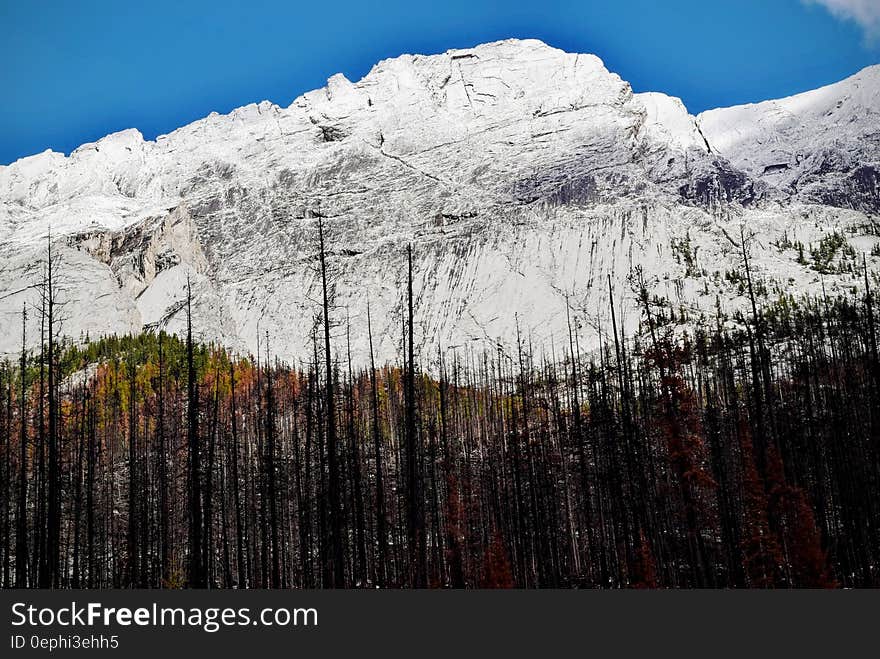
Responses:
[743,453]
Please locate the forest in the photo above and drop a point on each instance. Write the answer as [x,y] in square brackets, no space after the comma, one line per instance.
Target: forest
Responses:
[700,452]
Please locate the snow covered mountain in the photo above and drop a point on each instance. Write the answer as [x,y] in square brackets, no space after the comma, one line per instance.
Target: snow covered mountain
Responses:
[522,175]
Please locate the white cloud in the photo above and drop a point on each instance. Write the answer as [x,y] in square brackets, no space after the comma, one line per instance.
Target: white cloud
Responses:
[864,12]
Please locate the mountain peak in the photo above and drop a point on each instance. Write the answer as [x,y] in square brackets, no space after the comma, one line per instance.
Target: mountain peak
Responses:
[781,134]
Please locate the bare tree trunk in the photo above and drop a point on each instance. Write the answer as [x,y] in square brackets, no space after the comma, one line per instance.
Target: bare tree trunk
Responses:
[196,575]
[337,575]
[381,520]
[21,530]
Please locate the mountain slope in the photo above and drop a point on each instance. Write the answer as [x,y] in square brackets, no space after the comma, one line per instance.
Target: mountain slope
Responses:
[522,175]
[822,145]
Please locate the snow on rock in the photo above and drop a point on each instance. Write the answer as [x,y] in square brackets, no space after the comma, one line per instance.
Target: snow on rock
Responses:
[669,123]
[822,145]
[522,175]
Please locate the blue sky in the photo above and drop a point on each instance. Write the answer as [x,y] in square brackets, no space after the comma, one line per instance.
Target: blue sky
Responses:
[71,72]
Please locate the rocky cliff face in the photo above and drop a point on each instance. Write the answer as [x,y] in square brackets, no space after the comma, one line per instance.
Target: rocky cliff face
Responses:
[523,176]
